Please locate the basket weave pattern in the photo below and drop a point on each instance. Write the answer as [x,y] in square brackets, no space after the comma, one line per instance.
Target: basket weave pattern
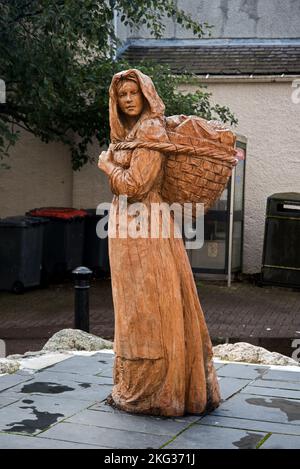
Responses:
[192,179]
[199,161]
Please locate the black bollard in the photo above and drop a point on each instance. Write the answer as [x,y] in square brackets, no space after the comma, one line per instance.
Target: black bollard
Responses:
[82,277]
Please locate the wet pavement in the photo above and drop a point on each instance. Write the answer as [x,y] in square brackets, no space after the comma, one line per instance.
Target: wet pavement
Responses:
[63,406]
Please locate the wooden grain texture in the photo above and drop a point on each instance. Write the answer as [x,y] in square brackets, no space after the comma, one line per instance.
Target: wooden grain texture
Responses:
[163,363]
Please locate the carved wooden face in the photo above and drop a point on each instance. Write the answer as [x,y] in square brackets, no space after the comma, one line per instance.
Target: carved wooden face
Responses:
[130,98]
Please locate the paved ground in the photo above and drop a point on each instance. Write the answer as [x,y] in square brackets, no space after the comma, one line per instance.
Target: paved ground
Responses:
[261,315]
[63,406]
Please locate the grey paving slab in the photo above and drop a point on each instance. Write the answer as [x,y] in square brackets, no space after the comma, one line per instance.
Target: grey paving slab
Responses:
[58,385]
[9,381]
[6,400]
[32,415]
[82,365]
[260,391]
[107,437]
[63,406]
[264,383]
[135,423]
[104,356]
[242,371]
[246,424]
[281,442]
[230,386]
[102,407]
[218,365]
[204,437]
[271,409]
[280,375]
[77,378]
[24,372]
[29,442]
[106,378]
[106,372]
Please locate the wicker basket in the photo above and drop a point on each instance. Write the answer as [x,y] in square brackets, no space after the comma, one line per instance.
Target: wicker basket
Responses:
[201,173]
[200,158]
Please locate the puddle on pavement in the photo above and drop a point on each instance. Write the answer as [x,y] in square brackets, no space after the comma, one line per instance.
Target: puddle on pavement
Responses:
[45,388]
[290,408]
[250,441]
[261,371]
[43,420]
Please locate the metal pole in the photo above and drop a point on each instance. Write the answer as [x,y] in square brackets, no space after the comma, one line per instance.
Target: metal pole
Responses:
[82,277]
[230,240]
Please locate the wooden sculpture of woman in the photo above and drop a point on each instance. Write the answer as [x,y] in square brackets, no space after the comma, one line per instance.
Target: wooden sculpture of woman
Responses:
[163,352]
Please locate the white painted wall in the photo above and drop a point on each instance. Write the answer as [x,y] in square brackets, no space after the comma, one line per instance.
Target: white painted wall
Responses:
[270,121]
[39,175]
[232,19]
[90,185]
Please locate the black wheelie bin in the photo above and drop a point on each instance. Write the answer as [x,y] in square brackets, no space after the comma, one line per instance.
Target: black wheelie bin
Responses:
[281,253]
[63,240]
[95,252]
[21,246]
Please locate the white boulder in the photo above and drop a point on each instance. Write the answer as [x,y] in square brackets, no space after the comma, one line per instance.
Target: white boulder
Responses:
[8,366]
[244,352]
[75,339]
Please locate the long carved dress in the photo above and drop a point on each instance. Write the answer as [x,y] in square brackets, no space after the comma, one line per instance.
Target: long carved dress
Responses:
[163,353]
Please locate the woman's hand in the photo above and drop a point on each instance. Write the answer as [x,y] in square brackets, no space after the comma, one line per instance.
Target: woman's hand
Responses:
[105,161]
[104,157]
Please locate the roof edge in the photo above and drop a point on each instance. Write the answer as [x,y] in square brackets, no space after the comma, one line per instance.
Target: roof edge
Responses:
[245,78]
[211,42]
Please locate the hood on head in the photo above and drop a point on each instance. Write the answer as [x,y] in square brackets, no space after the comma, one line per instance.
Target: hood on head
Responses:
[156,106]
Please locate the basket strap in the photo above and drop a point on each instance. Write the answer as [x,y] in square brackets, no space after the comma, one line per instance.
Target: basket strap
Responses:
[214,152]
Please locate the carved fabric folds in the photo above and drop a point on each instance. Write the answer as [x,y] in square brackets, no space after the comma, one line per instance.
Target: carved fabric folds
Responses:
[163,363]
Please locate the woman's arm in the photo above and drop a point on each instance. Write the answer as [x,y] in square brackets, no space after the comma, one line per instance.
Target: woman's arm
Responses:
[145,165]
[138,179]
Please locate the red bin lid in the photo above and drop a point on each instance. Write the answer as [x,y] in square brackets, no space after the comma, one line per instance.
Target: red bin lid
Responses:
[64,213]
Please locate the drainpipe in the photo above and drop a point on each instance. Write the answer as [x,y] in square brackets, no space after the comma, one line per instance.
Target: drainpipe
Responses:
[230,241]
